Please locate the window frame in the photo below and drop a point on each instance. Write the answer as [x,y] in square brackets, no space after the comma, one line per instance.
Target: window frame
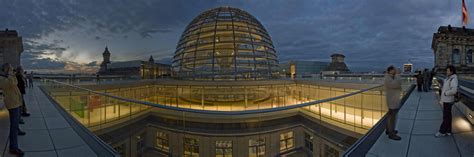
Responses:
[224,148]
[194,145]
[456,56]
[468,58]
[258,145]
[164,138]
[285,139]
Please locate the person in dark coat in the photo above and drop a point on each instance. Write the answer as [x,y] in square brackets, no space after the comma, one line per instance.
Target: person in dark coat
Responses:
[426,81]
[419,81]
[21,79]
[26,80]
[30,79]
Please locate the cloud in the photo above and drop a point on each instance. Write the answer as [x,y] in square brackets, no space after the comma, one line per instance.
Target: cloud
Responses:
[149,33]
[93,64]
[58,34]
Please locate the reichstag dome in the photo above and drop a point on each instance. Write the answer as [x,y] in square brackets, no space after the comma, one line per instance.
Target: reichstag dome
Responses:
[225,43]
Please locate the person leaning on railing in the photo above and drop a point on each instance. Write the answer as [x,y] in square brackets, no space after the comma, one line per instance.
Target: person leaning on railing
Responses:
[448,98]
[12,101]
[393,89]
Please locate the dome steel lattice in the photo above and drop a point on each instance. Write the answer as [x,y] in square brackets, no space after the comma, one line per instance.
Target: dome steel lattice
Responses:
[225,43]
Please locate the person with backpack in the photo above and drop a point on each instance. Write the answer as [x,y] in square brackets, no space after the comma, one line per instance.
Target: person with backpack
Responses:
[12,100]
[448,98]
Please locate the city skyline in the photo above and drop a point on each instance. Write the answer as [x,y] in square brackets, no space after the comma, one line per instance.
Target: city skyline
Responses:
[71,36]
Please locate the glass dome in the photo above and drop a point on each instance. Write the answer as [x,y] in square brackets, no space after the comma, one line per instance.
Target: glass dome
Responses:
[225,43]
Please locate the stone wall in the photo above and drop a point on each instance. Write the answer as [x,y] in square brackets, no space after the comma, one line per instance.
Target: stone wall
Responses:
[451,39]
[11,47]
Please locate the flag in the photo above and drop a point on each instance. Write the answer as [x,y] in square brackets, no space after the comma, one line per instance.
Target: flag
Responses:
[465,15]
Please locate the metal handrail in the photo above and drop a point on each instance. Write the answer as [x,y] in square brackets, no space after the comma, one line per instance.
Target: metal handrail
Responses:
[96,144]
[255,111]
[361,146]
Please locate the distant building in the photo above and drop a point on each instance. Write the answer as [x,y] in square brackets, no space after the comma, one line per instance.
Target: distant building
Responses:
[453,46]
[407,68]
[11,47]
[337,65]
[299,69]
[135,68]
[106,61]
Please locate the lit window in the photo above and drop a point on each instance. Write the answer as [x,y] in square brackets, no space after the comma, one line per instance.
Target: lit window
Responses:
[162,142]
[287,141]
[256,147]
[223,148]
[191,147]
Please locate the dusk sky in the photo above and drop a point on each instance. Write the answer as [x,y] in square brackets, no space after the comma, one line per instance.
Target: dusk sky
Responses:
[68,35]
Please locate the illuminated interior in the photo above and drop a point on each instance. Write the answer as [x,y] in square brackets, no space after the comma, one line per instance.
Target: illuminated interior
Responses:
[362,110]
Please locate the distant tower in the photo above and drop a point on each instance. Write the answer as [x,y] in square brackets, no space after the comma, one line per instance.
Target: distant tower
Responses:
[151,60]
[337,64]
[106,56]
[106,61]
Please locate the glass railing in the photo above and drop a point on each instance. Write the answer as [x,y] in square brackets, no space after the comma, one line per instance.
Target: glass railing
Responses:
[300,118]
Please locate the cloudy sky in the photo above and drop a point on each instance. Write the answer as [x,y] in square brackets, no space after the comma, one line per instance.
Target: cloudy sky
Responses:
[70,35]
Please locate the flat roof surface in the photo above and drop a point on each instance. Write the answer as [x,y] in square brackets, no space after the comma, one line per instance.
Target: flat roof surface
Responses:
[47,132]
[418,120]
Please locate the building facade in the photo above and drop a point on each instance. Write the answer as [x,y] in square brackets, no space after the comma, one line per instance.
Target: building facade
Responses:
[337,65]
[11,47]
[134,69]
[453,46]
[299,69]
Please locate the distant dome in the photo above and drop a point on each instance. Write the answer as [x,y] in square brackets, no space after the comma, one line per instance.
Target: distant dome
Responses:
[225,43]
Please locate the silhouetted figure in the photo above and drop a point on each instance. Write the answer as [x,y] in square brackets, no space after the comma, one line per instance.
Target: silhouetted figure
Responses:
[21,79]
[419,81]
[26,79]
[30,79]
[432,74]
[426,77]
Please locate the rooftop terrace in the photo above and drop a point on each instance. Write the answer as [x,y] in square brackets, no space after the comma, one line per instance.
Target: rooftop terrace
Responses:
[54,128]
[418,121]
[47,132]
